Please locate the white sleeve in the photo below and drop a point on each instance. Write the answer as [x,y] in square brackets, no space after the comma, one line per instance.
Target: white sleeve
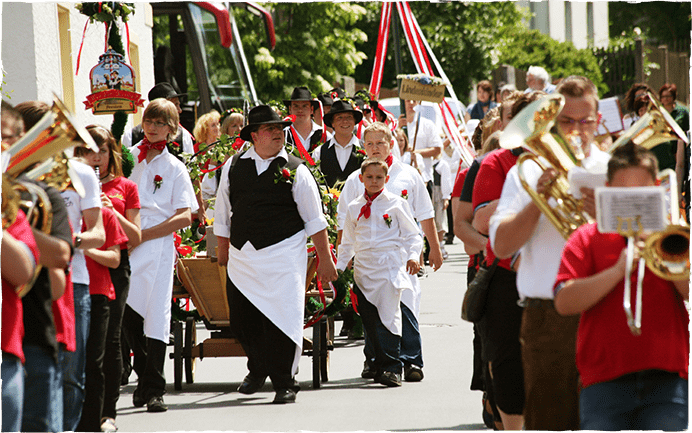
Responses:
[317,153]
[188,146]
[222,209]
[349,193]
[410,234]
[92,187]
[183,191]
[346,247]
[419,199]
[512,201]
[307,197]
[446,182]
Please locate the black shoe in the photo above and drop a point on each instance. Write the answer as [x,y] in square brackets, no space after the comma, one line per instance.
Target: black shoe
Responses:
[368,372]
[413,373]
[449,241]
[251,385]
[137,399]
[389,378]
[156,404]
[285,395]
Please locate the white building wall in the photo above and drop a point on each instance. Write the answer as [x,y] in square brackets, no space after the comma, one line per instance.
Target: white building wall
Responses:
[549,18]
[31,54]
[580,36]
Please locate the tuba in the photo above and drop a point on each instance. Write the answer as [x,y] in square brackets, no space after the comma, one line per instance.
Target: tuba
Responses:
[531,128]
[43,144]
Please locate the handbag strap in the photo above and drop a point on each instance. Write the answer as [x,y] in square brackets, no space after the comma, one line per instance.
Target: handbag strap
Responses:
[494,265]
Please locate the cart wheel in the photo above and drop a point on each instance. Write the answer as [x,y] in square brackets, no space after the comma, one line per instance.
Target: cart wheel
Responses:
[316,351]
[178,356]
[324,352]
[190,342]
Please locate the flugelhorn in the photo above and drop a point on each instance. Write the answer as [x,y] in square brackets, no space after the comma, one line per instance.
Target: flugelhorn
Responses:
[531,128]
[656,126]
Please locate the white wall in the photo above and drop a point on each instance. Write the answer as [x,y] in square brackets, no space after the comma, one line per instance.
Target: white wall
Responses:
[31,53]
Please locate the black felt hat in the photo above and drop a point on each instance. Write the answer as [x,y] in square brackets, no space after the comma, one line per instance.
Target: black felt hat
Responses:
[341,106]
[325,99]
[261,115]
[301,94]
[163,90]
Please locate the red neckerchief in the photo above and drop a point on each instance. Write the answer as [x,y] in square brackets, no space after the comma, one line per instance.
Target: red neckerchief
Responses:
[146,146]
[389,160]
[365,210]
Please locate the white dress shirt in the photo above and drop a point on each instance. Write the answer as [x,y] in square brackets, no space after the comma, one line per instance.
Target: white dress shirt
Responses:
[428,136]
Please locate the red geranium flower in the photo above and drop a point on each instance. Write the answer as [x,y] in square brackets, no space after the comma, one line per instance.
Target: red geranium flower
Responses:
[238,143]
[177,239]
[158,180]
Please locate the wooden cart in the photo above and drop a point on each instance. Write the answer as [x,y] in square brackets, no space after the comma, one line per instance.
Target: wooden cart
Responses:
[204,281]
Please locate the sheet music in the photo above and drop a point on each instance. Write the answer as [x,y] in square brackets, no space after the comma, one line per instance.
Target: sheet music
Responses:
[612,115]
[643,208]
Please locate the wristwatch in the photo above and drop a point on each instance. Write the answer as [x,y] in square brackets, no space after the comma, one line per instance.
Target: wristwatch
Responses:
[77,241]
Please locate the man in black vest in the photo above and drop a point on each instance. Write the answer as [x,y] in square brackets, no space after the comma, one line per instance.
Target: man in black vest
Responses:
[267,205]
[339,156]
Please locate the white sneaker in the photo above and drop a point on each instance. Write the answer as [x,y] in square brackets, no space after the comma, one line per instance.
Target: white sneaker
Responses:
[108,425]
[444,253]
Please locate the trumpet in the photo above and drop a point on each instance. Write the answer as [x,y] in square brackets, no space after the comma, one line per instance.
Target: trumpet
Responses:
[531,128]
[666,253]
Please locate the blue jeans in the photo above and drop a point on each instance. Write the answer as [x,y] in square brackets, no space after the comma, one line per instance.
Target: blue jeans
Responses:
[12,392]
[42,411]
[383,352]
[411,343]
[73,363]
[646,400]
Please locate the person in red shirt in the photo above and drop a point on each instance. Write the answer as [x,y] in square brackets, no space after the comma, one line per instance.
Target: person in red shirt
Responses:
[120,195]
[19,244]
[629,382]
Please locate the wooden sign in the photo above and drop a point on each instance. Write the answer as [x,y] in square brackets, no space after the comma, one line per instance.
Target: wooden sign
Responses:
[415,91]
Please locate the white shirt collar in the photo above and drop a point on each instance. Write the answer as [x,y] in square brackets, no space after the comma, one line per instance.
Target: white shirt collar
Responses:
[251,153]
[354,142]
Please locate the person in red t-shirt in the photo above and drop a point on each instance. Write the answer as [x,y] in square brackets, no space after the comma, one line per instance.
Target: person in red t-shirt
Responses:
[630,382]
[121,196]
[18,244]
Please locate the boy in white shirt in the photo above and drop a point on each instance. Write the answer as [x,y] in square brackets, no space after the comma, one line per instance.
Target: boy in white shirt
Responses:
[380,230]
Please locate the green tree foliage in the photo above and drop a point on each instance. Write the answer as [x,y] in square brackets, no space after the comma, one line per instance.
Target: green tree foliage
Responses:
[561,59]
[662,22]
[315,42]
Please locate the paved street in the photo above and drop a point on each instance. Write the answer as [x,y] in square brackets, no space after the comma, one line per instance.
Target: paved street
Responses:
[442,401]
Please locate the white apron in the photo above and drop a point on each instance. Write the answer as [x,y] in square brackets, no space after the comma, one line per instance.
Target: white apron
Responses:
[381,276]
[273,280]
[151,285]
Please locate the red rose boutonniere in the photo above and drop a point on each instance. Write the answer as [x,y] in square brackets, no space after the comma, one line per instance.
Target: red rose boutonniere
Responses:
[387,220]
[158,180]
[404,194]
[285,175]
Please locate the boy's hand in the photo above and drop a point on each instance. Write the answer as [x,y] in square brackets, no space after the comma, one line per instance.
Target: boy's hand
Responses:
[412,267]
[589,200]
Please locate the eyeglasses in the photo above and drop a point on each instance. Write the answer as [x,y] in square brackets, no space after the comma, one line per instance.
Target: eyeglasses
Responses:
[154,123]
[667,96]
[567,122]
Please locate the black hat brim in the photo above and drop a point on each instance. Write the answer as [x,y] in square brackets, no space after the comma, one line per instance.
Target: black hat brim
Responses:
[315,104]
[357,116]
[248,129]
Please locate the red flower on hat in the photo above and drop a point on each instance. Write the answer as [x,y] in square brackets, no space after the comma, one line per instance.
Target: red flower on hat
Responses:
[387,220]
[158,180]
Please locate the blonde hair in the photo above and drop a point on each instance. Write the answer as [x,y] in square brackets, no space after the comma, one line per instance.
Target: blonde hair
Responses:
[491,143]
[379,127]
[401,131]
[203,125]
[230,119]
[165,110]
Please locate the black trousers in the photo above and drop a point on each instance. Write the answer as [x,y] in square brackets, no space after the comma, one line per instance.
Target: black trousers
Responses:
[269,351]
[113,361]
[95,351]
[149,356]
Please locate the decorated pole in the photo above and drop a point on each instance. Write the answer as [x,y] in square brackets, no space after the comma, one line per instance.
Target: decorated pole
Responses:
[396,39]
